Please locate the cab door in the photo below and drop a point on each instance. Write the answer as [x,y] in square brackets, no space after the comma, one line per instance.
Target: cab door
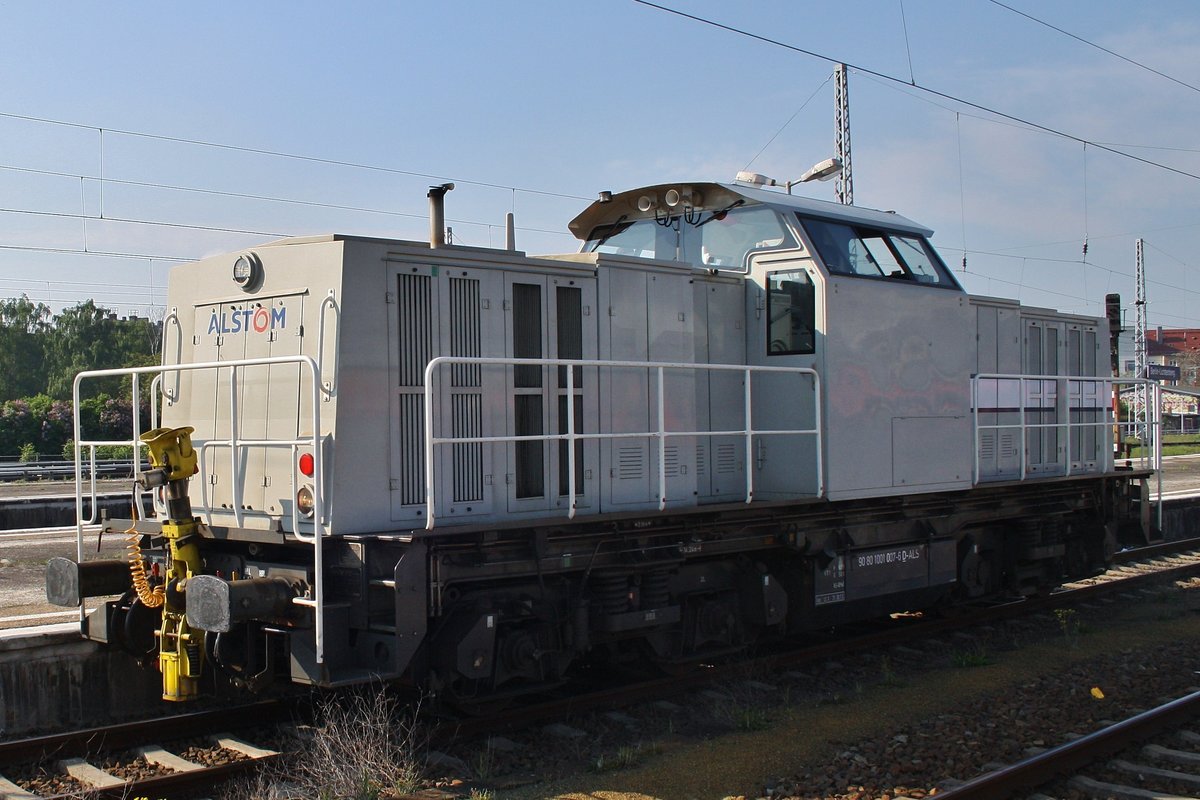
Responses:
[785,317]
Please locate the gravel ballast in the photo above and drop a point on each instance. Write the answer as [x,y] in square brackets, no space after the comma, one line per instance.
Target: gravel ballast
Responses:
[880,726]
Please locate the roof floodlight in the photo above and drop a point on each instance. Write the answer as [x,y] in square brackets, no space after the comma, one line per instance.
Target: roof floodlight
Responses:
[822,170]
[755,179]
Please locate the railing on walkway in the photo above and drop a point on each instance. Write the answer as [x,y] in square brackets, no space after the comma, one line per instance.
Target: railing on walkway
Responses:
[659,433]
[1070,394]
[236,446]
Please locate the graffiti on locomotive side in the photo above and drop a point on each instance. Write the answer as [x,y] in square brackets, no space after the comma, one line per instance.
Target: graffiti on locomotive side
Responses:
[883,558]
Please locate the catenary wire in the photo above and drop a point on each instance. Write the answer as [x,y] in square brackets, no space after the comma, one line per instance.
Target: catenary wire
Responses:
[935,92]
[1089,43]
[281,154]
[99,253]
[912,78]
[256,197]
[789,121]
[351,164]
[1098,237]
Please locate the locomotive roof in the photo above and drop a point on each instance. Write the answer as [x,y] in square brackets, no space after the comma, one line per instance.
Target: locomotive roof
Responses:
[717,196]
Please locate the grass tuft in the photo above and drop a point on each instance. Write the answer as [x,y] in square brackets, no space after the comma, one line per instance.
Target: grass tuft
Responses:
[977,657]
[364,746]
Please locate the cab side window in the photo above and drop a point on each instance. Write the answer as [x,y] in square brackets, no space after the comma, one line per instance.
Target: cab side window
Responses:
[791,313]
[864,252]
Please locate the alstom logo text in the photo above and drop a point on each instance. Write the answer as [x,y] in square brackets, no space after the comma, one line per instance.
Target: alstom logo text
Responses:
[258,320]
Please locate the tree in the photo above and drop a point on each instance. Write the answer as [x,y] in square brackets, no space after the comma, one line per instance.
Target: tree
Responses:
[89,337]
[1189,367]
[39,358]
[23,328]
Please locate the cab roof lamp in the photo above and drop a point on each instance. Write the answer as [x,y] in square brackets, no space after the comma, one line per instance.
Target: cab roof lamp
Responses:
[821,171]
[755,179]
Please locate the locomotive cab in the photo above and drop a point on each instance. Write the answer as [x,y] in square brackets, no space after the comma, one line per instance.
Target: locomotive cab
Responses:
[826,285]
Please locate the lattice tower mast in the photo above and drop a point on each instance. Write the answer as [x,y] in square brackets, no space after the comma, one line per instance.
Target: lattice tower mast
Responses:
[1138,412]
[844,188]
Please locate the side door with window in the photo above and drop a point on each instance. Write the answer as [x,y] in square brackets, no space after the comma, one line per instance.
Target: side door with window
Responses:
[786,316]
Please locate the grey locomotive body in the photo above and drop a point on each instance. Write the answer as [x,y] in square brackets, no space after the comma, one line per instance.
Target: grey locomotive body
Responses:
[736,414]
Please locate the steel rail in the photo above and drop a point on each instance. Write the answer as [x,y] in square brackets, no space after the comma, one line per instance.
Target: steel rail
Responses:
[176,783]
[1058,762]
[122,736]
[1155,550]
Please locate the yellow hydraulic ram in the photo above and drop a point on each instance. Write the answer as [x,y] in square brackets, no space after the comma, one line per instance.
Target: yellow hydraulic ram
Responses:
[180,649]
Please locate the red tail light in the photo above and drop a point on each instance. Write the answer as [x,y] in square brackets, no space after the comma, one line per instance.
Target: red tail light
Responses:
[307,464]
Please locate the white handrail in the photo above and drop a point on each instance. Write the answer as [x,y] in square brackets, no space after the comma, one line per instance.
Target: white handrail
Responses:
[171,318]
[660,433]
[314,440]
[330,301]
[1151,426]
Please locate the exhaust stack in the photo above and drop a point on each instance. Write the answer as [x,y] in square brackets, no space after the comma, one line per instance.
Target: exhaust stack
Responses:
[437,214]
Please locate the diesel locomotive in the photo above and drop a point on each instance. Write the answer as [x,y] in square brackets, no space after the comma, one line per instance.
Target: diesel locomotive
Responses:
[734,415]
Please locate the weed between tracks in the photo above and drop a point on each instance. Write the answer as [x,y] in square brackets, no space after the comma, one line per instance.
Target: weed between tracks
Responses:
[977,657]
[363,747]
[625,757]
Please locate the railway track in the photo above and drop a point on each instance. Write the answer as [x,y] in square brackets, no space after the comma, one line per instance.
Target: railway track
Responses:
[162,757]
[142,744]
[1168,768]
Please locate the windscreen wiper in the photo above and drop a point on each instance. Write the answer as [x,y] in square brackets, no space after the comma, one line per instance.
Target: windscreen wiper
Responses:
[721,214]
[612,229]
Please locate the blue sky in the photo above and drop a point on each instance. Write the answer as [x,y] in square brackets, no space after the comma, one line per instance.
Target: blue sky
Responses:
[535,106]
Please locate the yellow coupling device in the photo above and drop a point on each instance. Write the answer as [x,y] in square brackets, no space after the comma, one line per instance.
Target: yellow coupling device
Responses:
[171,453]
[180,649]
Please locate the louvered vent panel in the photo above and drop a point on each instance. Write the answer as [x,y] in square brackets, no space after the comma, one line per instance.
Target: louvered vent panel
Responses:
[414,306]
[629,463]
[987,446]
[701,463]
[464,329]
[1007,446]
[468,458]
[412,438]
[671,461]
[726,459]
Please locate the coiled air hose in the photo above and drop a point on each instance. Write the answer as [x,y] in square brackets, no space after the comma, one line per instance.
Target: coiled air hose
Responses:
[150,597]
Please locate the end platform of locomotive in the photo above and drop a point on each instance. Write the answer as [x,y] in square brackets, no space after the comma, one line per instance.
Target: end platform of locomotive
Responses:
[734,415]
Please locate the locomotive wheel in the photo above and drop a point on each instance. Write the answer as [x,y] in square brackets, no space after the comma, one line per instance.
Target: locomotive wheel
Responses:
[474,700]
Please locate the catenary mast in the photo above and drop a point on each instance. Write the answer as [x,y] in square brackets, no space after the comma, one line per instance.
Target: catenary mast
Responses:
[844,188]
[1138,412]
